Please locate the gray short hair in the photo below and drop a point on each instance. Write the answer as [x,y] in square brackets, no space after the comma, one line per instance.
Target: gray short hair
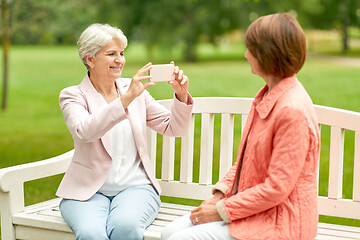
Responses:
[95,37]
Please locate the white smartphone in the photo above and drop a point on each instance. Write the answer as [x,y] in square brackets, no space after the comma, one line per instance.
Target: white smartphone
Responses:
[162,73]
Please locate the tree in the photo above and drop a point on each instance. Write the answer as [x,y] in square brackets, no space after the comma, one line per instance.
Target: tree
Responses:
[315,14]
[40,21]
[7,6]
[6,33]
[339,14]
[168,23]
[347,15]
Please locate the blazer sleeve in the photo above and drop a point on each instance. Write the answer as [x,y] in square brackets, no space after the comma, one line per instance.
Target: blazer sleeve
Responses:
[83,126]
[169,123]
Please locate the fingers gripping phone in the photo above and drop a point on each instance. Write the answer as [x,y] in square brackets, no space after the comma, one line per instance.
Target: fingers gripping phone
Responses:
[162,73]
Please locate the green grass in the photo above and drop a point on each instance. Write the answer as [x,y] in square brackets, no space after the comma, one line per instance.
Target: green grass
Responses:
[32,128]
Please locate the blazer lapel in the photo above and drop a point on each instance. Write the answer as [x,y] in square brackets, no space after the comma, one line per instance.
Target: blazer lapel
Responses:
[94,99]
[95,102]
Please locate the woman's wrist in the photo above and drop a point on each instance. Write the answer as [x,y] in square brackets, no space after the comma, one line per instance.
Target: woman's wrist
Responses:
[182,97]
[218,195]
[126,99]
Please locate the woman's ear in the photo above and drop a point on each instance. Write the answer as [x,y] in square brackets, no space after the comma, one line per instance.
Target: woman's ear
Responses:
[90,61]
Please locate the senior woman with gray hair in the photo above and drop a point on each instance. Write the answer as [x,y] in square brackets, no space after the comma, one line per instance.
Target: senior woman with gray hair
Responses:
[109,190]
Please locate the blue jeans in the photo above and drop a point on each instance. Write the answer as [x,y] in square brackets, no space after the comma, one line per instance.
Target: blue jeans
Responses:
[123,216]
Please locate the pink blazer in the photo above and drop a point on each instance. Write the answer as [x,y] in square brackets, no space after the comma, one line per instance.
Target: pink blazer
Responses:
[89,118]
[276,194]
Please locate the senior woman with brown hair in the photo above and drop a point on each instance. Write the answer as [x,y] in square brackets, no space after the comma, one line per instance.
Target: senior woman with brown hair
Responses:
[271,191]
[109,190]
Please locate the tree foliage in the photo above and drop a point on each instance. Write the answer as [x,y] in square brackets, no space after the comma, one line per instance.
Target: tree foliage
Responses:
[5,39]
[168,23]
[164,23]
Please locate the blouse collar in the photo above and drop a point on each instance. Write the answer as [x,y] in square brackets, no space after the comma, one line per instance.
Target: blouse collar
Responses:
[264,105]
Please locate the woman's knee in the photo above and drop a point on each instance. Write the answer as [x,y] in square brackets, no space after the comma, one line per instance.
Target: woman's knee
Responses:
[84,218]
[126,229]
[86,232]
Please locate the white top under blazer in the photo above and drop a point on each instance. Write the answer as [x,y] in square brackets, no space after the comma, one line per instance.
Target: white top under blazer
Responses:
[126,168]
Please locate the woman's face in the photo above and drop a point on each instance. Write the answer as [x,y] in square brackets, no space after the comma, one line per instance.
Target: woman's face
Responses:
[109,61]
[254,63]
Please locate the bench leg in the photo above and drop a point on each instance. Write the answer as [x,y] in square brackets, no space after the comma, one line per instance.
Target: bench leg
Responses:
[10,203]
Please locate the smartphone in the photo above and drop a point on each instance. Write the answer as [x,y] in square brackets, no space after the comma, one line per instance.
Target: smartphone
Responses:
[162,73]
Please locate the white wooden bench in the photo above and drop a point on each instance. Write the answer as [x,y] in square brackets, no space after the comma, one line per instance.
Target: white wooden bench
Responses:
[188,172]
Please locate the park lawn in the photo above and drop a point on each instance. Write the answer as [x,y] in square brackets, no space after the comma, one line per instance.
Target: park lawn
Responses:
[32,128]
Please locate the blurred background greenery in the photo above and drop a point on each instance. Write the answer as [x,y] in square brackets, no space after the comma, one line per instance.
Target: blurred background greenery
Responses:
[204,37]
[174,25]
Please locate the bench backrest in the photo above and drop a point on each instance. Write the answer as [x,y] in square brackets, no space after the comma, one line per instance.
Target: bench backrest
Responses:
[191,170]
[195,160]
[340,131]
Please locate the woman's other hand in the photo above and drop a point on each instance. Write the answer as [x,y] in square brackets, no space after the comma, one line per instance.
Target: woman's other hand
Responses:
[136,87]
[180,84]
[207,212]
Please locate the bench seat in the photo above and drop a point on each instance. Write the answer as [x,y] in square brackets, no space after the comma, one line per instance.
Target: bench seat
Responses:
[328,231]
[43,221]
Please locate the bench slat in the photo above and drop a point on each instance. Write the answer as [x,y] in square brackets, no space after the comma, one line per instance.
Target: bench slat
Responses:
[53,203]
[338,117]
[206,148]
[187,153]
[151,141]
[345,208]
[336,162]
[36,221]
[188,190]
[327,237]
[168,156]
[356,178]
[166,217]
[243,121]
[333,231]
[31,233]
[222,105]
[159,223]
[49,212]
[175,212]
[152,233]
[226,143]
[339,227]
[177,206]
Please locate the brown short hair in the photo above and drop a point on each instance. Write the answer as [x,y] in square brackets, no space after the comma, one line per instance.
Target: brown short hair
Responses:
[278,42]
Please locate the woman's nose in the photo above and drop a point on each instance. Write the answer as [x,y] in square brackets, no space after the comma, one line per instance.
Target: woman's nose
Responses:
[118,59]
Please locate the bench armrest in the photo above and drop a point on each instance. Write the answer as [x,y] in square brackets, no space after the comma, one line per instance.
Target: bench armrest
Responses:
[35,170]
